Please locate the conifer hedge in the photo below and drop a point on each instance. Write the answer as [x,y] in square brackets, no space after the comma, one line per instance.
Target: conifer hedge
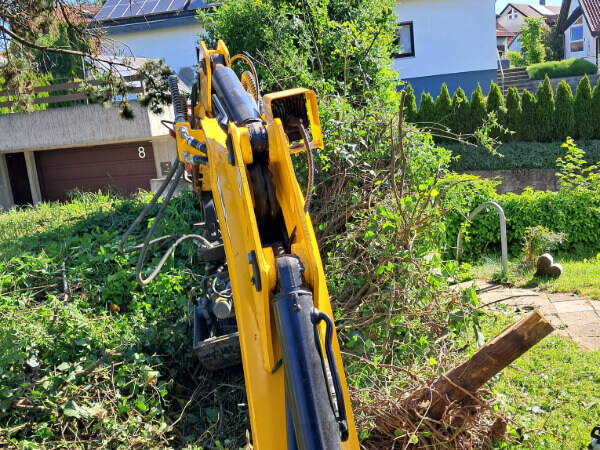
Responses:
[528,118]
[564,119]
[545,111]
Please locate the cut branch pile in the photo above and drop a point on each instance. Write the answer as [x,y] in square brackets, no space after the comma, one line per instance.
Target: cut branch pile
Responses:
[452,411]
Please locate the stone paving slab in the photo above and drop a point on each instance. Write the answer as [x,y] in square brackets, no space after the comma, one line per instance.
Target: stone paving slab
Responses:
[573,306]
[571,315]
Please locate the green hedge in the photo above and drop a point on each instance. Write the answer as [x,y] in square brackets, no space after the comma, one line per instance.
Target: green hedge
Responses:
[574,212]
[516,155]
[559,69]
[528,118]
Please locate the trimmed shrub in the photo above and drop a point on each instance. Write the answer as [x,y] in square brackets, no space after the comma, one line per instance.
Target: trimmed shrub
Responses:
[513,114]
[564,119]
[545,111]
[584,116]
[460,122]
[410,105]
[528,128]
[560,69]
[443,106]
[495,100]
[596,109]
[443,114]
[426,115]
[477,107]
[495,104]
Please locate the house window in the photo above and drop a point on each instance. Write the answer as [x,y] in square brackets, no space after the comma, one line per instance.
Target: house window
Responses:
[406,40]
[512,14]
[577,36]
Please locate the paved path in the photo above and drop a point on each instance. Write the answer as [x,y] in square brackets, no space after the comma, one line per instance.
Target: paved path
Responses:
[571,315]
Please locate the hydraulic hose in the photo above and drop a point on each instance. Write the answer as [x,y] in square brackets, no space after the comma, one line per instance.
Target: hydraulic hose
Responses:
[311,161]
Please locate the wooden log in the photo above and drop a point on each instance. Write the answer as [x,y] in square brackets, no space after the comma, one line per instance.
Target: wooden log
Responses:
[490,359]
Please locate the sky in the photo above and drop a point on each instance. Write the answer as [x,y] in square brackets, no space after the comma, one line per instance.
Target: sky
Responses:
[500,4]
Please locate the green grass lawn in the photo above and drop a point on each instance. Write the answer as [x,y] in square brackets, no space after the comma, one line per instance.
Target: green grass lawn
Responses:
[551,394]
[580,276]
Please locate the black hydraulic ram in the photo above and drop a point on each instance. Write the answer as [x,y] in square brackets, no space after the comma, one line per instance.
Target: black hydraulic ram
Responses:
[309,406]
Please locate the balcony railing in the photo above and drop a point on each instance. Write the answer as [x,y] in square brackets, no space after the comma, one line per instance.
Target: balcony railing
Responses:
[72,92]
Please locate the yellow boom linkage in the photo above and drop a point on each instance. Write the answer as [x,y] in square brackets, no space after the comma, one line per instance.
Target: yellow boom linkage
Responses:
[229,158]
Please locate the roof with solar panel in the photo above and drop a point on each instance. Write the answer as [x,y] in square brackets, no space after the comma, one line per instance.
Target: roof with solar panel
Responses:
[120,12]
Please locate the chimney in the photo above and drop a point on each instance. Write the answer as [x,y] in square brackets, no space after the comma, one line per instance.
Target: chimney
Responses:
[543,2]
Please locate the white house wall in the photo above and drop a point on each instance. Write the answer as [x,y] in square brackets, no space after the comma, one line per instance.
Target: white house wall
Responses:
[513,25]
[589,44]
[454,43]
[176,45]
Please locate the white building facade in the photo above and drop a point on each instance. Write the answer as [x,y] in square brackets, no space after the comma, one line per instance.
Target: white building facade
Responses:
[579,24]
[441,41]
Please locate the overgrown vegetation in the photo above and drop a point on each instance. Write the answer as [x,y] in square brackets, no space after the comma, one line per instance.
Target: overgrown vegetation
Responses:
[87,357]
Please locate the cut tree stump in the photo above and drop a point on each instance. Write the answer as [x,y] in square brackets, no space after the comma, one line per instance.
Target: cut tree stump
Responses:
[495,355]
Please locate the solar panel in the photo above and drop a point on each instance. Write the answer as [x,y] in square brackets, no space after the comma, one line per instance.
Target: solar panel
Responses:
[195,4]
[115,9]
[176,5]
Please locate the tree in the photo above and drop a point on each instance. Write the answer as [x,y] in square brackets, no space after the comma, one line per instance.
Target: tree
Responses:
[513,114]
[564,118]
[553,43]
[478,112]
[584,115]
[528,128]
[340,47]
[50,37]
[545,111]
[596,109]
[426,116]
[410,105]
[531,40]
[461,117]
[495,106]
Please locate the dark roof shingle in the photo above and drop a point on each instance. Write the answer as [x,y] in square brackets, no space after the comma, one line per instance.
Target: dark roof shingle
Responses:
[591,9]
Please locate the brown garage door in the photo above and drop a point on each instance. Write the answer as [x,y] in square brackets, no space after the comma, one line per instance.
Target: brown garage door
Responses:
[123,167]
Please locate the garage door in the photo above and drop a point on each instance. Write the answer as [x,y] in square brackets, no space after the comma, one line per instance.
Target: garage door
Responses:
[122,167]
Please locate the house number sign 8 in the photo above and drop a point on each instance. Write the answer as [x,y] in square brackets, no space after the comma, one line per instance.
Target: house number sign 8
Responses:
[141,152]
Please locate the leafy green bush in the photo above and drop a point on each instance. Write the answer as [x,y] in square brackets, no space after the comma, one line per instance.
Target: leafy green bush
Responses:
[528,129]
[539,240]
[478,111]
[516,60]
[545,111]
[573,210]
[560,69]
[513,114]
[584,115]
[564,118]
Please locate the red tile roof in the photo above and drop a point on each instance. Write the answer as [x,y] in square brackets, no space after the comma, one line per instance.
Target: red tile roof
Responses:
[502,32]
[591,9]
[537,10]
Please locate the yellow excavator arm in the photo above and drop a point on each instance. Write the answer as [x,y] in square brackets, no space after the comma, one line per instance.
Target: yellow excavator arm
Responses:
[264,288]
